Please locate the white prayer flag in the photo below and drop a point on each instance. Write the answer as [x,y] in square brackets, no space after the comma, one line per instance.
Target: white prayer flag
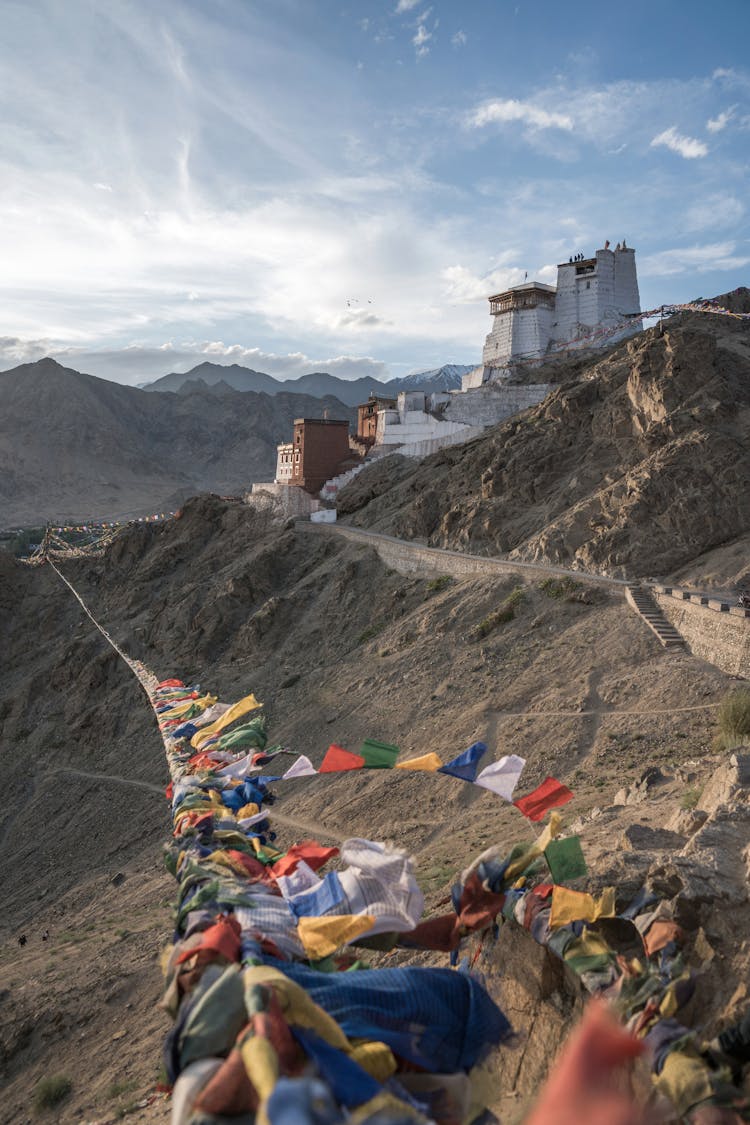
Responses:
[303,767]
[502,776]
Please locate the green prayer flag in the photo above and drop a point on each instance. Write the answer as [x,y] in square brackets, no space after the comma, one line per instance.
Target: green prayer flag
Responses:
[378,755]
[250,734]
[565,859]
[591,964]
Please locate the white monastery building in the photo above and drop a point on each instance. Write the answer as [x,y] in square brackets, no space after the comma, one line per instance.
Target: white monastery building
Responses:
[592,298]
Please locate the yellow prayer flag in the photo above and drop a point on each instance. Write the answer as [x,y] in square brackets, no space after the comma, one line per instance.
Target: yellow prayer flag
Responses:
[261,1064]
[576,906]
[296,1004]
[605,904]
[684,1080]
[537,849]
[587,945]
[177,710]
[323,936]
[247,810]
[570,906]
[376,1058]
[236,711]
[223,860]
[429,762]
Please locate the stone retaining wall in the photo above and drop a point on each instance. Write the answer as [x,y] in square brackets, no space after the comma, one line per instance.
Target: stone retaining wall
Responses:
[287,498]
[720,637]
[494,402]
[424,448]
[415,558]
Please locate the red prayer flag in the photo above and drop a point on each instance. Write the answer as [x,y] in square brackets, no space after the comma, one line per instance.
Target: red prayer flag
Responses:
[549,795]
[441,933]
[313,853]
[222,938]
[338,759]
[478,907]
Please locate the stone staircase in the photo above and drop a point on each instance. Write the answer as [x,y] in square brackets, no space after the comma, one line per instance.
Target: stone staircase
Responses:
[330,489]
[641,601]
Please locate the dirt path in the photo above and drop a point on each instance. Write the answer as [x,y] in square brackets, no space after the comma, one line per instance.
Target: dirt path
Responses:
[313,827]
[108,777]
[601,711]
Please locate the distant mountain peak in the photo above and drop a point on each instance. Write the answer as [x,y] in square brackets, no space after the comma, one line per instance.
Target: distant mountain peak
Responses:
[445,378]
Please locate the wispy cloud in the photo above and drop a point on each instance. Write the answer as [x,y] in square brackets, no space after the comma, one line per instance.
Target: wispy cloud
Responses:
[420,41]
[463,286]
[460,39]
[693,259]
[406,6]
[511,110]
[720,122]
[360,318]
[687,147]
[717,211]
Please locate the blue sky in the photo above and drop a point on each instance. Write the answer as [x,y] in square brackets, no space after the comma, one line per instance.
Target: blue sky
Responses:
[303,184]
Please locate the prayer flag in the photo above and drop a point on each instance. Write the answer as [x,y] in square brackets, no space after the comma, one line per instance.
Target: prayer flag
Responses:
[575,906]
[241,768]
[337,760]
[428,762]
[314,855]
[249,734]
[659,935]
[236,711]
[323,936]
[465,765]
[565,859]
[303,878]
[549,795]
[501,777]
[303,767]
[378,755]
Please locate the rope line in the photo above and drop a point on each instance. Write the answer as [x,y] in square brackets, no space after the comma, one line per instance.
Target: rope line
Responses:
[142,673]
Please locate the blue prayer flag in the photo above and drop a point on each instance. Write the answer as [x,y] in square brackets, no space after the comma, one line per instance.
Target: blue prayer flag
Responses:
[465,765]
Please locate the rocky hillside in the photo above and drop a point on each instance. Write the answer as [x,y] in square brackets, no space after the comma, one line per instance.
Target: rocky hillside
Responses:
[339,648]
[76,447]
[635,467]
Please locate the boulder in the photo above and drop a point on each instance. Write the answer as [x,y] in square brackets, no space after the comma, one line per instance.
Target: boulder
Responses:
[687,821]
[730,781]
[640,837]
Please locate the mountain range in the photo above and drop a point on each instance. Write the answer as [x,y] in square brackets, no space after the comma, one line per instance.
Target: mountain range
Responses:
[75,447]
[233,376]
